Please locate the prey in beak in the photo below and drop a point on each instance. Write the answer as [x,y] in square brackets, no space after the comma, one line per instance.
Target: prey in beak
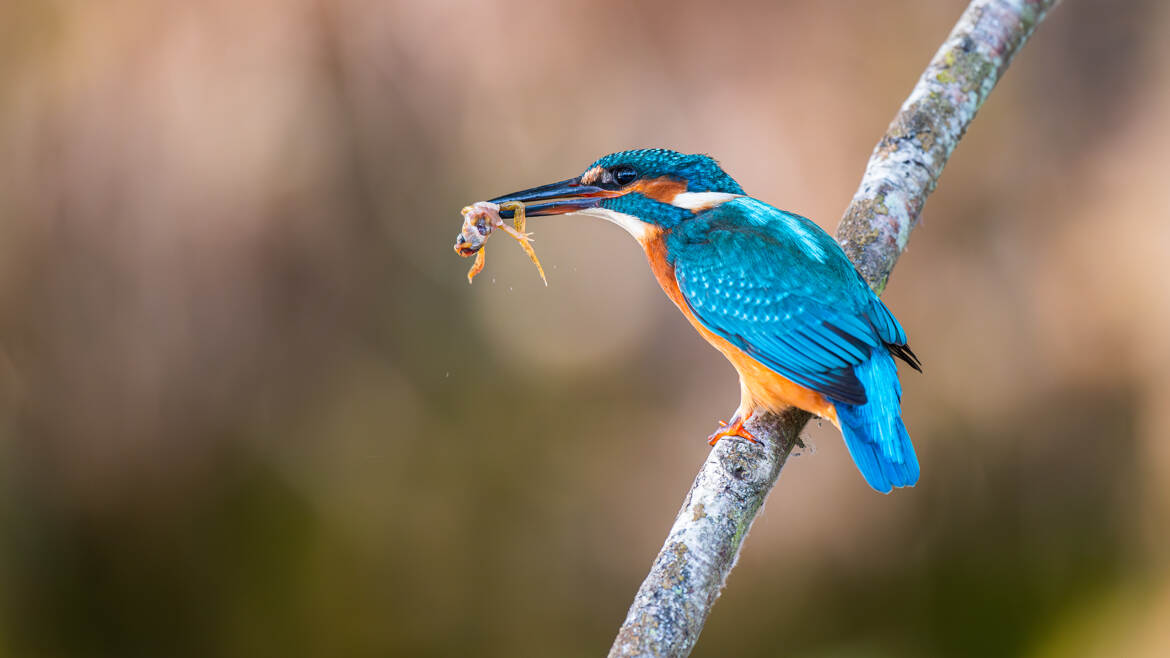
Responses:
[481,218]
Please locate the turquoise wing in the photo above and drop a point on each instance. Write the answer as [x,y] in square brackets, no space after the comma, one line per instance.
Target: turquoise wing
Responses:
[779,288]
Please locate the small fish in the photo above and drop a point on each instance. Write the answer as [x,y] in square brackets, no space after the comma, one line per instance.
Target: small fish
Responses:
[480,219]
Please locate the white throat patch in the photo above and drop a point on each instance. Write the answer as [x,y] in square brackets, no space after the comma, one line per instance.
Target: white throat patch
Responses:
[634,226]
[696,201]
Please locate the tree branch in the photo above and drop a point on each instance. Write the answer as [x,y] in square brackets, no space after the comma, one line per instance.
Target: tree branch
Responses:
[673,602]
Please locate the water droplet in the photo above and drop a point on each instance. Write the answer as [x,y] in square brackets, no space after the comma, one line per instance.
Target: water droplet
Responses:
[448,375]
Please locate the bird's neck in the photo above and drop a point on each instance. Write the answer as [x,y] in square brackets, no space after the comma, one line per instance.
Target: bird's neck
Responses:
[658,255]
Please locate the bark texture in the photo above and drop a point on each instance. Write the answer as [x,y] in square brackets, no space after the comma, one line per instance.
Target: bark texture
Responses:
[673,602]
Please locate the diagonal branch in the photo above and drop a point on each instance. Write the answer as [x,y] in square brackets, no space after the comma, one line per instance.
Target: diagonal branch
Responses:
[673,602]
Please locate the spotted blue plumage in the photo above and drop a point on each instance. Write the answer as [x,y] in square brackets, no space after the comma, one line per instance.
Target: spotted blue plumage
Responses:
[775,285]
[701,172]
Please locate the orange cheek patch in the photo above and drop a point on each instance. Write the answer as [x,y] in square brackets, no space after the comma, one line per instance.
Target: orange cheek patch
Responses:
[662,189]
[592,176]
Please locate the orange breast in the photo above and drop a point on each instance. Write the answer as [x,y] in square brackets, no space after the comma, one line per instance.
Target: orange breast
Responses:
[762,387]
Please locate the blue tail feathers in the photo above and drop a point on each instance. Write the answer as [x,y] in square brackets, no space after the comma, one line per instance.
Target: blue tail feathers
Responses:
[874,432]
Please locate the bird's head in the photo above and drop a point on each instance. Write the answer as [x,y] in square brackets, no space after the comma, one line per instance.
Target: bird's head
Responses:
[635,189]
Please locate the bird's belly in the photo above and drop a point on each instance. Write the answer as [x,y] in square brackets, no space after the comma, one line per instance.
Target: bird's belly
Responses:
[763,388]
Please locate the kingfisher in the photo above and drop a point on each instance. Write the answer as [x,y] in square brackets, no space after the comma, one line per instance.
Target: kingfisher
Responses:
[769,289]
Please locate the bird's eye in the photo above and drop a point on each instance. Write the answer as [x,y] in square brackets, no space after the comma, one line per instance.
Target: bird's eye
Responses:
[623,174]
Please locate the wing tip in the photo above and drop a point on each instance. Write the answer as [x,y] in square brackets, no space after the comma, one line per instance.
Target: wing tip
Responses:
[906,354]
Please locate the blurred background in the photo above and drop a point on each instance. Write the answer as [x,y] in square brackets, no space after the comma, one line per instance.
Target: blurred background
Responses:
[249,405]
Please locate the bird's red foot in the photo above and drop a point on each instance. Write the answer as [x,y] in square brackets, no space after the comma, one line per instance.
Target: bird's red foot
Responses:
[735,429]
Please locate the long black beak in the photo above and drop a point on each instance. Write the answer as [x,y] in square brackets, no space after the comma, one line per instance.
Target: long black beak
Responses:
[569,195]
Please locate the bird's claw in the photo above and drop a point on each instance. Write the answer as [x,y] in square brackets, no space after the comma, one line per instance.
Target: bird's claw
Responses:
[736,428]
